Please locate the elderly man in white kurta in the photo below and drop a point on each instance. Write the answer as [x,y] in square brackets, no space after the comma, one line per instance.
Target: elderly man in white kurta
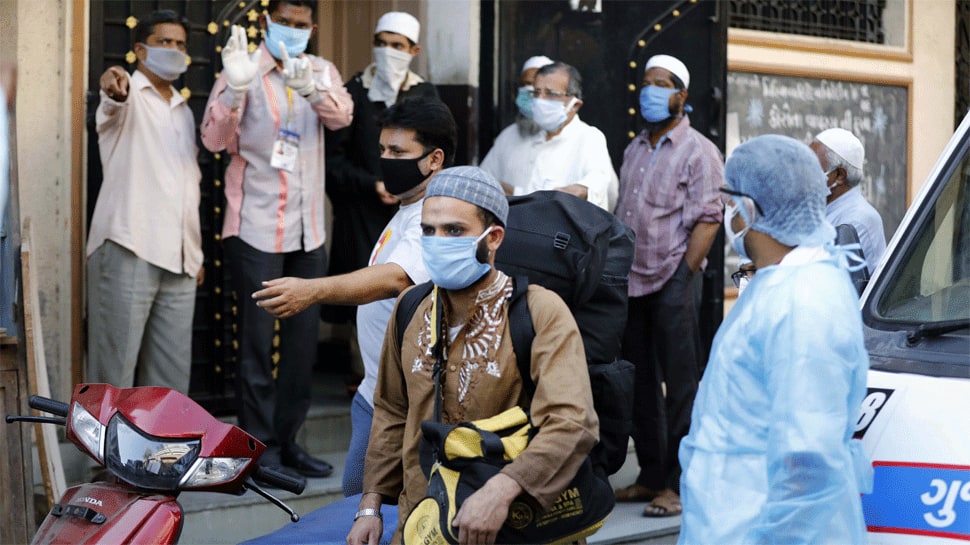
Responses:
[566,154]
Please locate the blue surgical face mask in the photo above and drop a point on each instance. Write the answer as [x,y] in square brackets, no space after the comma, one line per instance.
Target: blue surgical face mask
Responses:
[294,40]
[524,100]
[655,103]
[165,62]
[736,239]
[451,261]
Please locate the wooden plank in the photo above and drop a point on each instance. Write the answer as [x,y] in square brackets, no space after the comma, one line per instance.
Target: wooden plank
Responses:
[16,473]
[48,449]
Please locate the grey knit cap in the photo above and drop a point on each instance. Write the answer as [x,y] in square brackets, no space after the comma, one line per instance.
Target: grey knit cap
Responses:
[472,185]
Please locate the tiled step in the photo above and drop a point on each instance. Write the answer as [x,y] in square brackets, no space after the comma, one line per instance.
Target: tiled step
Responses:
[214,519]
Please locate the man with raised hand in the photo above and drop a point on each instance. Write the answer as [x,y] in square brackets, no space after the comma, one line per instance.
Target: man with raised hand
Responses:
[268,111]
[145,245]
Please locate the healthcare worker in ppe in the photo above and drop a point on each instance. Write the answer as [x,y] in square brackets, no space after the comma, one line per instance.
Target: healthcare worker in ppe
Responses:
[770,456]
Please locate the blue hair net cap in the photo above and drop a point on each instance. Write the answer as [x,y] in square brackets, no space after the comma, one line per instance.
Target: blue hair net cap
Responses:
[785,178]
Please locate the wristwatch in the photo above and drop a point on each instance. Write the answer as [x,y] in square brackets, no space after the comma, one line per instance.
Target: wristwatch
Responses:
[368,513]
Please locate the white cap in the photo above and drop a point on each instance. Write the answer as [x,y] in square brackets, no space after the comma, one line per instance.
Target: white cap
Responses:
[401,23]
[672,64]
[536,62]
[844,144]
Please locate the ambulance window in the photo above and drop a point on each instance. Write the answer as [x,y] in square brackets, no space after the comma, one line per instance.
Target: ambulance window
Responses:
[933,284]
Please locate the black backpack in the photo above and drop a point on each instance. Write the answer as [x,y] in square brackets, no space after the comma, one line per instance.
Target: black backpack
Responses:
[584,254]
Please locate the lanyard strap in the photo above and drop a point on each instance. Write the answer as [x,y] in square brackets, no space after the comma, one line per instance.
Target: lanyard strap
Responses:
[439,334]
[289,109]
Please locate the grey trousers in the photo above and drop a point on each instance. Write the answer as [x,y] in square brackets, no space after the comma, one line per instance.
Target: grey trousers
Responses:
[139,321]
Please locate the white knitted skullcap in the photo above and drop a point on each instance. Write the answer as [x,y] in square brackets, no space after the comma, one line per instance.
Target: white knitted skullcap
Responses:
[536,62]
[845,144]
[401,23]
[672,64]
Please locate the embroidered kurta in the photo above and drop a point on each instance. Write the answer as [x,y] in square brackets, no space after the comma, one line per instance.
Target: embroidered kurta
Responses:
[481,379]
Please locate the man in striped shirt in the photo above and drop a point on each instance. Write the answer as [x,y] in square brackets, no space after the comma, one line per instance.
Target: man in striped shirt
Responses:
[269,111]
[669,195]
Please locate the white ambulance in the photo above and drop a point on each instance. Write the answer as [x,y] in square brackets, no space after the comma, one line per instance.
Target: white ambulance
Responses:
[915,420]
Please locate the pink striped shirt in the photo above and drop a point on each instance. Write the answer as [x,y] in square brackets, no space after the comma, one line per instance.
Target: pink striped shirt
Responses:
[270,209]
[664,192]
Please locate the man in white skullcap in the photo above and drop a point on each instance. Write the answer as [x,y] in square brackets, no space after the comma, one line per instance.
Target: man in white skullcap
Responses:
[362,205]
[842,156]
[669,195]
[549,147]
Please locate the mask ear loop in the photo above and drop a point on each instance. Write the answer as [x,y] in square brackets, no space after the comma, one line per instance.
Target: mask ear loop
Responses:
[483,235]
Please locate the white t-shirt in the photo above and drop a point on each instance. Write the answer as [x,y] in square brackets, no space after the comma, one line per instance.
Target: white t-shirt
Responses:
[577,155]
[400,243]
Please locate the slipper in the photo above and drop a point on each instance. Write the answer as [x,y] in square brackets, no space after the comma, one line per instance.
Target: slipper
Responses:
[635,493]
[667,504]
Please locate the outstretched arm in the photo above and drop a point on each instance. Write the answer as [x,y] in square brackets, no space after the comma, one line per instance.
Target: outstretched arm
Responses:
[284,297]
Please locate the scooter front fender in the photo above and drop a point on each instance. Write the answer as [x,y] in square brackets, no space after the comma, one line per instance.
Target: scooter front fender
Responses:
[98,513]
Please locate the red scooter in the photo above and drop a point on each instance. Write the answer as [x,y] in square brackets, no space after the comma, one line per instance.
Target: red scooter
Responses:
[155,442]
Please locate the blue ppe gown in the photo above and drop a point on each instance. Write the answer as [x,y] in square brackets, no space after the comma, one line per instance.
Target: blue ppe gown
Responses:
[770,456]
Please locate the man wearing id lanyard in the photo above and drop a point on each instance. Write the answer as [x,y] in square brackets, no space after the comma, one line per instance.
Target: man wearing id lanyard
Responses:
[268,110]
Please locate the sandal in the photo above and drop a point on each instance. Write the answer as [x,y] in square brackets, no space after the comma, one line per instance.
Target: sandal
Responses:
[635,493]
[667,504]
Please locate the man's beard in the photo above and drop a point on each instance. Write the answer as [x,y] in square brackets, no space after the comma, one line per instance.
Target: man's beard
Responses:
[527,126]
[655,126]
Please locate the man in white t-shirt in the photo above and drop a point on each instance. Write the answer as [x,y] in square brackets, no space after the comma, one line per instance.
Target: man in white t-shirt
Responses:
[418,139]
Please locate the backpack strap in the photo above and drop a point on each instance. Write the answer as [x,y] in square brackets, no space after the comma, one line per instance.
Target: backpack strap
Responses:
[408,305]
[520,323]
[522,331]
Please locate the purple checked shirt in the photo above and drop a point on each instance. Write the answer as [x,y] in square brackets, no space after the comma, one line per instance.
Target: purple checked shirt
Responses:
[664,192]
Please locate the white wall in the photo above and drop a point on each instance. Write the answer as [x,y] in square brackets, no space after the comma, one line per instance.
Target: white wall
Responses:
[40,37]
[453,36]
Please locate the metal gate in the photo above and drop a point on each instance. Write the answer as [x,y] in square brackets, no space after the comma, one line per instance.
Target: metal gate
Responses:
[609,47]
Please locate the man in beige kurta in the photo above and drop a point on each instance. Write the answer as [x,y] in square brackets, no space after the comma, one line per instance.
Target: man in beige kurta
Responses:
[480,375]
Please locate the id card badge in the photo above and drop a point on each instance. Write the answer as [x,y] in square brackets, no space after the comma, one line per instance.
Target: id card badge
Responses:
[286,149]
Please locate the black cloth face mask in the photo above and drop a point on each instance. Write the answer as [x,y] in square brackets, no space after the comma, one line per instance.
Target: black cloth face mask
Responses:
[402,175]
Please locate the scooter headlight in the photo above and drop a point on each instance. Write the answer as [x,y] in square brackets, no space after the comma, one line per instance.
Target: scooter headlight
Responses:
[87,428]
[145,461]
[212,471]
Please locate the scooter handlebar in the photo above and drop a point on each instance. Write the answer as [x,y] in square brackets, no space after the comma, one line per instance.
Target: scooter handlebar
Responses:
[47,405]
[280,480]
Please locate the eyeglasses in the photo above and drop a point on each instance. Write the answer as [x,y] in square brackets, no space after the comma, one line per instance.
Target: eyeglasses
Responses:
[546,93]
[746,271]
[739,196]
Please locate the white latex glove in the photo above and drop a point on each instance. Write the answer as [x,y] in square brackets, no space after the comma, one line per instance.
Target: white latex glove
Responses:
[239,67]
[298,73]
